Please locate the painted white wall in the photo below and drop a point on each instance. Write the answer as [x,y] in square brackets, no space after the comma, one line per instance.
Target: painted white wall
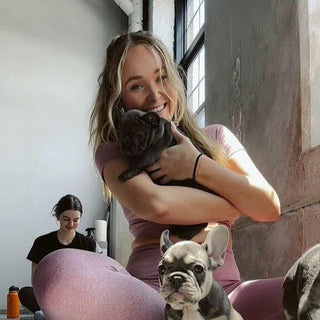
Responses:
[51,55]
[161,21]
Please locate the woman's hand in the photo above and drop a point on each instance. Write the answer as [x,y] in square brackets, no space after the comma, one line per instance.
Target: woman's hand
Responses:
[176,162]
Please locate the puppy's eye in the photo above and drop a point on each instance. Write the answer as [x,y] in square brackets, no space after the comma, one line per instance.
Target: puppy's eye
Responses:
[198,268]
[126,141]
[140,136]
[161,269]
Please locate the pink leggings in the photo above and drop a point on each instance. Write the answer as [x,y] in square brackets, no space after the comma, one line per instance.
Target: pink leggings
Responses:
[72,284]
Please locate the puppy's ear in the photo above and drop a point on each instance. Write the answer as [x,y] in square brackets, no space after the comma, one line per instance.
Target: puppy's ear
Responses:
[216,245]
[165,242]
[151,118]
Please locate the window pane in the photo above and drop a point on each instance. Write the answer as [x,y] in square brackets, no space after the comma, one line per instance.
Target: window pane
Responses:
[201,119]
[196,82]
[201,14]
[202,61]
[201,92]
[195,19]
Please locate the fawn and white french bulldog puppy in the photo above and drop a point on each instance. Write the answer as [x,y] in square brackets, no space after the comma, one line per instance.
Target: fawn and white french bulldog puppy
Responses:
[301,287]
[142,137]
[186,280]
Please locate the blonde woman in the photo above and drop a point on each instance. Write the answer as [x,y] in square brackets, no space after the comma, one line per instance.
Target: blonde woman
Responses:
[140,74]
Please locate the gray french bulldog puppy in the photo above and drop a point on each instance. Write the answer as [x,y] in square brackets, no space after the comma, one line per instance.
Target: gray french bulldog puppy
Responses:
[186,280]
[301,287]
[142,137]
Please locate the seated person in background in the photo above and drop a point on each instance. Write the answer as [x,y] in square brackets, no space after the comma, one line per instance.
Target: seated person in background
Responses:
[68,212]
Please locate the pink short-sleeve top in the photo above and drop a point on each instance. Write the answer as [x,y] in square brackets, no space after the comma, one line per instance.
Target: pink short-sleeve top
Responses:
[138,227]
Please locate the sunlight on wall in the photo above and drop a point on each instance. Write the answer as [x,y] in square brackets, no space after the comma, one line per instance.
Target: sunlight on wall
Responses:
[314,42]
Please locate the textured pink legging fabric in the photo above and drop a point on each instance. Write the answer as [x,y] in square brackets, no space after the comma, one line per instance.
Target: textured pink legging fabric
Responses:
[73,284]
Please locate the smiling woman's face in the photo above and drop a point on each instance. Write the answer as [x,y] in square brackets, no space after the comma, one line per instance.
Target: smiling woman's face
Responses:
[69,220]
[145,85]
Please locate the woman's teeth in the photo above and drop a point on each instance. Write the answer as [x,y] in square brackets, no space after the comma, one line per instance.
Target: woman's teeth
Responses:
[158,109]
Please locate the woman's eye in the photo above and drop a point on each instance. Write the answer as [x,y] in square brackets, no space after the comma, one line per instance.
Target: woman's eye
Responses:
[136,87]
[162,78]
[140,136]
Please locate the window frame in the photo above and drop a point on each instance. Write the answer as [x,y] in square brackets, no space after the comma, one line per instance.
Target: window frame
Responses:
[183,56]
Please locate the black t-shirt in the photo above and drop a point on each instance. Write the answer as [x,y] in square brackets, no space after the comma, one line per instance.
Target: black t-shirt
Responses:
[49,242]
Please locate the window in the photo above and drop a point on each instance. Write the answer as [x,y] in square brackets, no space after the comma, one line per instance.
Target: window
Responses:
[190,52]
[195,19]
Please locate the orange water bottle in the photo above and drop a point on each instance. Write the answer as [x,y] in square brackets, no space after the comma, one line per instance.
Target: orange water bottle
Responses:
[13,303]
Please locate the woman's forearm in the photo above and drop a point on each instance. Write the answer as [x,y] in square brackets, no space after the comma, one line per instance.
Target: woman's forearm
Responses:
[251,194]
[185,205]
[239,181]
[166,204]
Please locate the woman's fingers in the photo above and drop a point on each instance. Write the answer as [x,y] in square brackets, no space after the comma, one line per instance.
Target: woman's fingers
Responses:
[156,174]
[164,180]
[154,167]
[176,133]
[175,162]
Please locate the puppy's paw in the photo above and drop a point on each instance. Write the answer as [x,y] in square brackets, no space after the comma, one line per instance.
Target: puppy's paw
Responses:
[122,177]
[128,174]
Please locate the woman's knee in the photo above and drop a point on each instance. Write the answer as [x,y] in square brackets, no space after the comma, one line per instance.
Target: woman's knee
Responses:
[63,267]
[259,299]
[93,286]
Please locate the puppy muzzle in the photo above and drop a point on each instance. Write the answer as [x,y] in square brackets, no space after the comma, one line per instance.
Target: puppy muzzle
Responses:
[176,281]
[179,288]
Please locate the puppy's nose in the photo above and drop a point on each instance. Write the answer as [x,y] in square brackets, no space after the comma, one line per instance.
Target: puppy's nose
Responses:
[176,281]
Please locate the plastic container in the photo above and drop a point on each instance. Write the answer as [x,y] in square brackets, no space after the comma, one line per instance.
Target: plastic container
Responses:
[13,303]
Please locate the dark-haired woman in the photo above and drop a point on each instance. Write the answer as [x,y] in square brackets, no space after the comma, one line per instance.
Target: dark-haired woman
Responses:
[68,212]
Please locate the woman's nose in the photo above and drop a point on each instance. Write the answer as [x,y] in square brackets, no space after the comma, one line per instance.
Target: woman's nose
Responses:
[154,92]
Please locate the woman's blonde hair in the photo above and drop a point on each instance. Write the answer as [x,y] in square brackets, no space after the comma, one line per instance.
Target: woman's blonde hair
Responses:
[109,94]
